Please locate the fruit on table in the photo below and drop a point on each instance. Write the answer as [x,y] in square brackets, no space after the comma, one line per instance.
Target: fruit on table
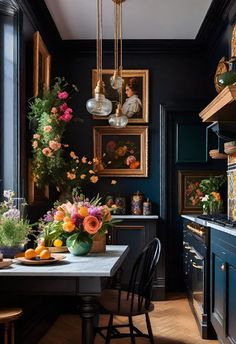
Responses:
[39,249]
[58,243]
[45,254]
[30,253]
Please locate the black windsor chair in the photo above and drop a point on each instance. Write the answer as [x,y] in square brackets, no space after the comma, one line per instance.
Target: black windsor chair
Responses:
[136,300]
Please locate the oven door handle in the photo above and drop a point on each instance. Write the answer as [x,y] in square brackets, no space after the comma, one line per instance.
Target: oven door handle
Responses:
[200,267]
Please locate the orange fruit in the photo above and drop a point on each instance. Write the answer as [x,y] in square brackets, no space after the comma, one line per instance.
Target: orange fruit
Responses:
[30,253]
[57,243]
[45,254]
[39,249]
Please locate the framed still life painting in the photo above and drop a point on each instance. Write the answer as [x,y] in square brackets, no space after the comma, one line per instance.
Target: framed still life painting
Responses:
[189,191]
[123,152]
[134,93]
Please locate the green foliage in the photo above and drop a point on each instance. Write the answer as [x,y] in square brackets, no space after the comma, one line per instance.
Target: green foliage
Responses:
[14,232]
[212,184]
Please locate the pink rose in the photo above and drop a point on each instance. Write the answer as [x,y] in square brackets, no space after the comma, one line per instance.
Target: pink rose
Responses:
[62,95]
[66,117]
[47,151]
[63,107]
[54,145]
[130,160]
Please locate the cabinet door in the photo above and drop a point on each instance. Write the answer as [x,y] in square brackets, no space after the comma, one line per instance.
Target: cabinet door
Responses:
[134,237]
[218,294]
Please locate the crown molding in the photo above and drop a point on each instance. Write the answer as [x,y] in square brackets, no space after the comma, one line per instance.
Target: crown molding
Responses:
[214,22]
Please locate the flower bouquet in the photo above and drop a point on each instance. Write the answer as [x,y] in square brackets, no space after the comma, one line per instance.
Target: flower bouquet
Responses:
[211,201]
[76,224]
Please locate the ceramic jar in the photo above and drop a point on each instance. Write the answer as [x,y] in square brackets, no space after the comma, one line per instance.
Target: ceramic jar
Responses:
[137,203]
[228,78]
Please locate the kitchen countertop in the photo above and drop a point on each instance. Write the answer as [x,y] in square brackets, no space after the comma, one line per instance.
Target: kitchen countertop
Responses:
[211,224]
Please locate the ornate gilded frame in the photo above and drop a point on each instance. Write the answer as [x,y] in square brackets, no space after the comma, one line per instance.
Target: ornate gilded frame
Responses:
[119,141]
[42,65]
[142,75]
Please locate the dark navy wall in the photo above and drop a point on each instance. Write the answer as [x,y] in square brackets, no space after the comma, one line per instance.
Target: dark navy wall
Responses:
[175,78]
[181,76]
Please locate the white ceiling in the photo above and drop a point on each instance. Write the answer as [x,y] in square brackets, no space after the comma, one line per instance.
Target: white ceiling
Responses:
[142,19]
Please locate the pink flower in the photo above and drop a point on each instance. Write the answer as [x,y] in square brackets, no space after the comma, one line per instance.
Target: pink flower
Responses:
[68,111]
[66,117]
[63,107]
[47,151]
[92,224]
[47,128]
[35,144]
[130,160]
[111,145]
[54,145]
[62,95]
[36,136]
[54,110]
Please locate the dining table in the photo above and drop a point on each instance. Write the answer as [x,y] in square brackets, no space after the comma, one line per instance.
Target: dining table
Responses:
[73,275]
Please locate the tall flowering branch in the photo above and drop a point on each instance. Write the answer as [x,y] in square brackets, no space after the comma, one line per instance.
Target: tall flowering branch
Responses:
[53,161]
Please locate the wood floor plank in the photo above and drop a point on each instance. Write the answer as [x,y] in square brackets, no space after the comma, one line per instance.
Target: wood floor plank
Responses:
[172,323]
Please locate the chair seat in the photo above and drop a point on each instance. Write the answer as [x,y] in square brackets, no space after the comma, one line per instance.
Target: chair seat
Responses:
[109,300]
[10,314]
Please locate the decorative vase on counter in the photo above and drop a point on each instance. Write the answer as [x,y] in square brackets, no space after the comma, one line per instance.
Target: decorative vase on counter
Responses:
[78,247]
[99,243]
[11,251]
[228,78]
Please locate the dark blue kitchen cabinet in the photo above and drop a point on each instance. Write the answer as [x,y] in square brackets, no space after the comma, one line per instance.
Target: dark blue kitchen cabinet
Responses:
[136,233]
[223,285]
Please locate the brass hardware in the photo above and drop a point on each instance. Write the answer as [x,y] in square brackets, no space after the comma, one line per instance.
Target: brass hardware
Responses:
[222,267]
[200,230]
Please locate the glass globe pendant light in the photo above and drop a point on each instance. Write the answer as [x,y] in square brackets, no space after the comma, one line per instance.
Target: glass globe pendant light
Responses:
[118,120]
[99,105]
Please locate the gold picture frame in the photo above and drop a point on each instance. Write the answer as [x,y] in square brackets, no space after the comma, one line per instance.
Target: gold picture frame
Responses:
[42,65]
[123,152]
[189,192]
[142,82]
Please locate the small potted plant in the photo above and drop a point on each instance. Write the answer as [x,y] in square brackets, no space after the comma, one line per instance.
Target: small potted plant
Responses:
[14,229]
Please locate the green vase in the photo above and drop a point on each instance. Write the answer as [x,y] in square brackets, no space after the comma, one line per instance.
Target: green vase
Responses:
[78,248]
[228,78]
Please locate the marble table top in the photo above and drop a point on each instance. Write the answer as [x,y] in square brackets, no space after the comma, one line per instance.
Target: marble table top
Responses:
[92,265]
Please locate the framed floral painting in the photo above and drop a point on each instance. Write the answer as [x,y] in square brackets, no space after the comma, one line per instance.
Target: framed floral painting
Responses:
[134,93]
[122,152]
[189,190]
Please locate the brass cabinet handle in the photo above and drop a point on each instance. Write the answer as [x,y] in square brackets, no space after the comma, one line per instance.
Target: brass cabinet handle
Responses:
[222,267]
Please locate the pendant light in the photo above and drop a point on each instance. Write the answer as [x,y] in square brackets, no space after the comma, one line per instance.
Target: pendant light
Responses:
[118,119]
[99,105]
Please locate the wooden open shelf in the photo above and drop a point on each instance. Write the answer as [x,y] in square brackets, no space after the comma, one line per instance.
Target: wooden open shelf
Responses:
[222,108]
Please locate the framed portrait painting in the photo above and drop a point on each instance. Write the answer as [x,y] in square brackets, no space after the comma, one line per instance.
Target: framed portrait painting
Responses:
[123,152]
[134,93]
[189,191]
[42,65]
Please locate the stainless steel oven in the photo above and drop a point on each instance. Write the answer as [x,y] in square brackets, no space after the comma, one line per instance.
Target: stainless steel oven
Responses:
[196,273]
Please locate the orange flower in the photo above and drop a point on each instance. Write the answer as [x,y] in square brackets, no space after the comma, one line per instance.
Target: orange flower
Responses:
[134,165]
[106,213]
[68,226]
[91,224]
[94,179]
[83,211]
[59,216]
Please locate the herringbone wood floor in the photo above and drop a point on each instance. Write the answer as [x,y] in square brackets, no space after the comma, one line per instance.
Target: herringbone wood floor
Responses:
[172,323]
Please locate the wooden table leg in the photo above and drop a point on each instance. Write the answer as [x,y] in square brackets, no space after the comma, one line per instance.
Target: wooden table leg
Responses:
[87,311]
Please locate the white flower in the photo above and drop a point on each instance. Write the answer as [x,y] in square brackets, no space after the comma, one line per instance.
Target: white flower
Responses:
[205,198]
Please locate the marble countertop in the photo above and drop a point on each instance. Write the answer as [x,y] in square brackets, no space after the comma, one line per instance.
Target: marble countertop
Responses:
[92,265]
[211,224]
